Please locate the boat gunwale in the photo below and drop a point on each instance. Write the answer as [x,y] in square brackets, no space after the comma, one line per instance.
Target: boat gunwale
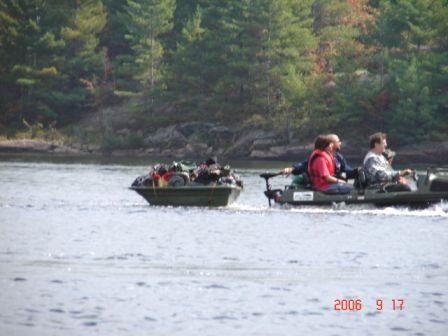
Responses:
[391,198]
[185,188]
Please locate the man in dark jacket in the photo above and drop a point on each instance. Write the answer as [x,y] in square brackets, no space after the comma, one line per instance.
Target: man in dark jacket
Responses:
[341,165]
[208,171]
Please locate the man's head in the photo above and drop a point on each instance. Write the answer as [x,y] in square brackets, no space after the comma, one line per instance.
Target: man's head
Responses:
[324,143]
[378,142]
[211,161]
[336,141]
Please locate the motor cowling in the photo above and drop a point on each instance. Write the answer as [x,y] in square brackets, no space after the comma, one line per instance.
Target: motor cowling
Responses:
[439,185]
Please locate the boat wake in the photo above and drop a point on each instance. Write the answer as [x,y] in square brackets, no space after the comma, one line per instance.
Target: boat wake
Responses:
[436,210]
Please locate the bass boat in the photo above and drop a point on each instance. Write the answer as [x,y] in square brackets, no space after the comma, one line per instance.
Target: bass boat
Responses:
[431,187]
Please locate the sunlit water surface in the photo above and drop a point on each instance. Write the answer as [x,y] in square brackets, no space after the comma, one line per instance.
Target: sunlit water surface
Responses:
[80,254]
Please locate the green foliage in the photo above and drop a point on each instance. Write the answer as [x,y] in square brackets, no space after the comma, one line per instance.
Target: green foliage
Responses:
[82,34]
[414,33]
[298,66]
[133,140]
[145,21]
[50,48]
[111,141]
[38,131]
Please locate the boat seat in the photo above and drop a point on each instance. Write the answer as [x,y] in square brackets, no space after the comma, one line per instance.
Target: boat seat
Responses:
[360,180]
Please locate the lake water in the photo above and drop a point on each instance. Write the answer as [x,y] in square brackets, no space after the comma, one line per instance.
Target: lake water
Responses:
[80,254]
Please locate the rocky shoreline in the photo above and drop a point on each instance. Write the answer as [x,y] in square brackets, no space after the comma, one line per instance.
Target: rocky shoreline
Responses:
[196,140]
[179,142]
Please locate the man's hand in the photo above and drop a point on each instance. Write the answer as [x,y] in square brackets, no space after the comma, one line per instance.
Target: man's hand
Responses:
[215,171]
[287,171]
[406,172]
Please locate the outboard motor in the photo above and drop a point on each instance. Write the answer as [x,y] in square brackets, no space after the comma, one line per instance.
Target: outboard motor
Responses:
[274,194]
[438,179]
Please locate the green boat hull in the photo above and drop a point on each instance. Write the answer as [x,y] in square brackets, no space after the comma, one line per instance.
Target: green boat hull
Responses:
[411,198]
[214,196]
[430,188]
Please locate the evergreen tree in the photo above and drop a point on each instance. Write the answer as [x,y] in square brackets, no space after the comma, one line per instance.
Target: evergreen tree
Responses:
[185,71]
[300,66]
[414,35]
[286,60]
[118,70]
[342,65]
[86,61]
[145,22]
[185,10]
[30,49]
[244,58]
[203,60]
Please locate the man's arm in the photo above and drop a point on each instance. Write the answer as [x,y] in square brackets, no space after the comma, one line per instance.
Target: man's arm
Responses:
[299,167]
[296,169]
[350,172]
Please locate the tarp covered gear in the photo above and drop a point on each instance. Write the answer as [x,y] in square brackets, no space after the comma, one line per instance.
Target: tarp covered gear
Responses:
[188,173]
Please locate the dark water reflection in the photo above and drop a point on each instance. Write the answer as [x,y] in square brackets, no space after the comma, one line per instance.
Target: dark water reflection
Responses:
[81,254]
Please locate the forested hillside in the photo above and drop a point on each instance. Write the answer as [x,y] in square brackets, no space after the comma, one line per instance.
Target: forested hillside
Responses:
[296,66]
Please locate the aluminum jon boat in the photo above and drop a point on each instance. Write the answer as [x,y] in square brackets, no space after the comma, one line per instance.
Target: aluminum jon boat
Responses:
[209,195]
[432,187]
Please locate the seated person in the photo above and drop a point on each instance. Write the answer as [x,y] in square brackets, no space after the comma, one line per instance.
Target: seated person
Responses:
[207,172]
[321,168]
[342,168]
[379,173]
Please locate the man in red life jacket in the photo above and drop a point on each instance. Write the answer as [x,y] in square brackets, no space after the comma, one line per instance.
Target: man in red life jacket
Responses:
[342,168]
[321,168]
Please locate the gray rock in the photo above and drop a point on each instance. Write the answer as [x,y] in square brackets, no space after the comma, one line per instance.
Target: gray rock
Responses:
[262,154]
[282,152]
[176,136]
[429,152]
[93,148]
[220,136]
[194,129]
[263,144]
[123,132]
[209,151]
[272,152]
[167,137]
[110,117]
[66,150]
[242,146]
[298,151]
[26,145]
[127,152]
[196,148]
[77,145]
[152,151]
[179,153]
